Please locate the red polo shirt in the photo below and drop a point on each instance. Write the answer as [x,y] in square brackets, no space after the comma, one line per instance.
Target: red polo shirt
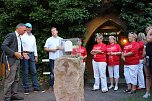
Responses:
[100,57]
[133,59]
[141,48]
[81,51]
[113,59]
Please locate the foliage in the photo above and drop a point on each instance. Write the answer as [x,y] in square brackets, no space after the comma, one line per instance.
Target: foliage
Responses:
[69,16]
[137,14]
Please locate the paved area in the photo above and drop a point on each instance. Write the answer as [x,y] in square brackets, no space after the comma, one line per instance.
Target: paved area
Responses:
[88,94]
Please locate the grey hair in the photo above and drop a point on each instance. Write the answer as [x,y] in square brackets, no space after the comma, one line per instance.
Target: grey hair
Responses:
[20,25]
[99,35]
[141,36]
[148,28]
[134,34]
[113,38]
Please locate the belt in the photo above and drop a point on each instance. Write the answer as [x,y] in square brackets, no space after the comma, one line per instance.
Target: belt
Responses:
[28,52]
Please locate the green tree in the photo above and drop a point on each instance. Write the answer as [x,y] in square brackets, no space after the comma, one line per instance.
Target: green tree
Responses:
[69,16]
[137,14]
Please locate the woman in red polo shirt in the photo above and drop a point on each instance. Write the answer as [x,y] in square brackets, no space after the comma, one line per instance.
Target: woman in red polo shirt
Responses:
[99,64]
[113,52]
[131,60]
[80,51]
[141,80]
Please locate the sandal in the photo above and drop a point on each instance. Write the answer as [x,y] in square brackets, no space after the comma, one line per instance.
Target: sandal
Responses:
[132,92]
[95,89]
[127,90]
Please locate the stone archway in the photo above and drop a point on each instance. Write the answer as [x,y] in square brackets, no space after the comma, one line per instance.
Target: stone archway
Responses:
[106,23]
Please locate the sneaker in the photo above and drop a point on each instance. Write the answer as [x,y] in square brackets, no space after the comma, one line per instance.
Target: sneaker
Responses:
[116,88]
[105,91]
[127,90]
[111,86]
[146,95]
[26,92]
[132,92]
[36,90]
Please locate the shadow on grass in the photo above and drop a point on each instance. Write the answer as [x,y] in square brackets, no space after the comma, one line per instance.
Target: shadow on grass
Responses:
[137,97]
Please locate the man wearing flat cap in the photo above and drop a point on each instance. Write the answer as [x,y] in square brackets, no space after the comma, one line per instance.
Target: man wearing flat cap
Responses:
[30,57]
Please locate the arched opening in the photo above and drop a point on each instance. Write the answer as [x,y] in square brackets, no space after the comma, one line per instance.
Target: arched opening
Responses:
[107,28]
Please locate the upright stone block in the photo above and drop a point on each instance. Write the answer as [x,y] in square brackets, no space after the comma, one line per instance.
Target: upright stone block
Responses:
[69,82]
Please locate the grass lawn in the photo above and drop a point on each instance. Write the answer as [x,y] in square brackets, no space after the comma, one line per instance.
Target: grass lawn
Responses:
[138,96]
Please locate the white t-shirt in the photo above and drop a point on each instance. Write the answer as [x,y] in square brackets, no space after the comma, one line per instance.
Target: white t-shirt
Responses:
[52,43]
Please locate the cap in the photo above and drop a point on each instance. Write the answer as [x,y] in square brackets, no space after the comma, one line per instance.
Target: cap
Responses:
[28,25]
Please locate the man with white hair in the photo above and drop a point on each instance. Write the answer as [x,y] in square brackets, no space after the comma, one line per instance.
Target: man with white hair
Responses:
[11,57]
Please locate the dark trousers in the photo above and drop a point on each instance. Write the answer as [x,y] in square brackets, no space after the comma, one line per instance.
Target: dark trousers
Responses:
[26,66]
[11,81]
[51,63]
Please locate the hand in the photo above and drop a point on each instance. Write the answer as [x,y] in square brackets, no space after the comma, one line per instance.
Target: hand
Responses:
[18,55]
[36,59]
[144,61]
[108,53]
[53,50]
[112,53]
[122,57]
[59,48]
[26,56]
[93,52]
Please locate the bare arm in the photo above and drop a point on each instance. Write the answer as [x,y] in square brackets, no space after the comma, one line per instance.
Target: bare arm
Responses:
[50,50]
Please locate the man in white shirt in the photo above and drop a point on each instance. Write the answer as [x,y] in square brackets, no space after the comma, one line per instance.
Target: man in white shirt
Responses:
[30,58]
[52,46]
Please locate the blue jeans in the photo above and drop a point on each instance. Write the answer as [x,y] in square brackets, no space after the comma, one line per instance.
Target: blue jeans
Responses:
[51,63]
[26,65]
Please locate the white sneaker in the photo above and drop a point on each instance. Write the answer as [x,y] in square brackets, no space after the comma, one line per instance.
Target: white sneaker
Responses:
[146,95]
[116,88]
[104,90]
[111,86]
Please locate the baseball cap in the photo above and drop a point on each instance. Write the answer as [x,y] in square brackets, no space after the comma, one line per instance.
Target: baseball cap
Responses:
[28,25]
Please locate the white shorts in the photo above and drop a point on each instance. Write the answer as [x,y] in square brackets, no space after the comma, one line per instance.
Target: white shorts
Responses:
[113,71]
[130,73]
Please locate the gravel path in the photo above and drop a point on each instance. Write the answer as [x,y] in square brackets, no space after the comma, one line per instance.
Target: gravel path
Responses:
[111,95]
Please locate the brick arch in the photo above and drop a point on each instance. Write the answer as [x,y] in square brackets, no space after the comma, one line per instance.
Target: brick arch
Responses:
[97,22]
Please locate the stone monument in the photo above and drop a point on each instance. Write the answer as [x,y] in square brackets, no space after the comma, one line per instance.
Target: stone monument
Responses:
[68,73]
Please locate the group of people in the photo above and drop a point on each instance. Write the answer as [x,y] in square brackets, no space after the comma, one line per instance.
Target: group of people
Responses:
[20,50]
[136,55]
[20,47]
[103,55]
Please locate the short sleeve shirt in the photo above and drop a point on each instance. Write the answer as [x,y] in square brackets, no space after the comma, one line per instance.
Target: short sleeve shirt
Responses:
[52,43]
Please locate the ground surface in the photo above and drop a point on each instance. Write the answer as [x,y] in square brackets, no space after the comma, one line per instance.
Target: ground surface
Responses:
[88,94]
